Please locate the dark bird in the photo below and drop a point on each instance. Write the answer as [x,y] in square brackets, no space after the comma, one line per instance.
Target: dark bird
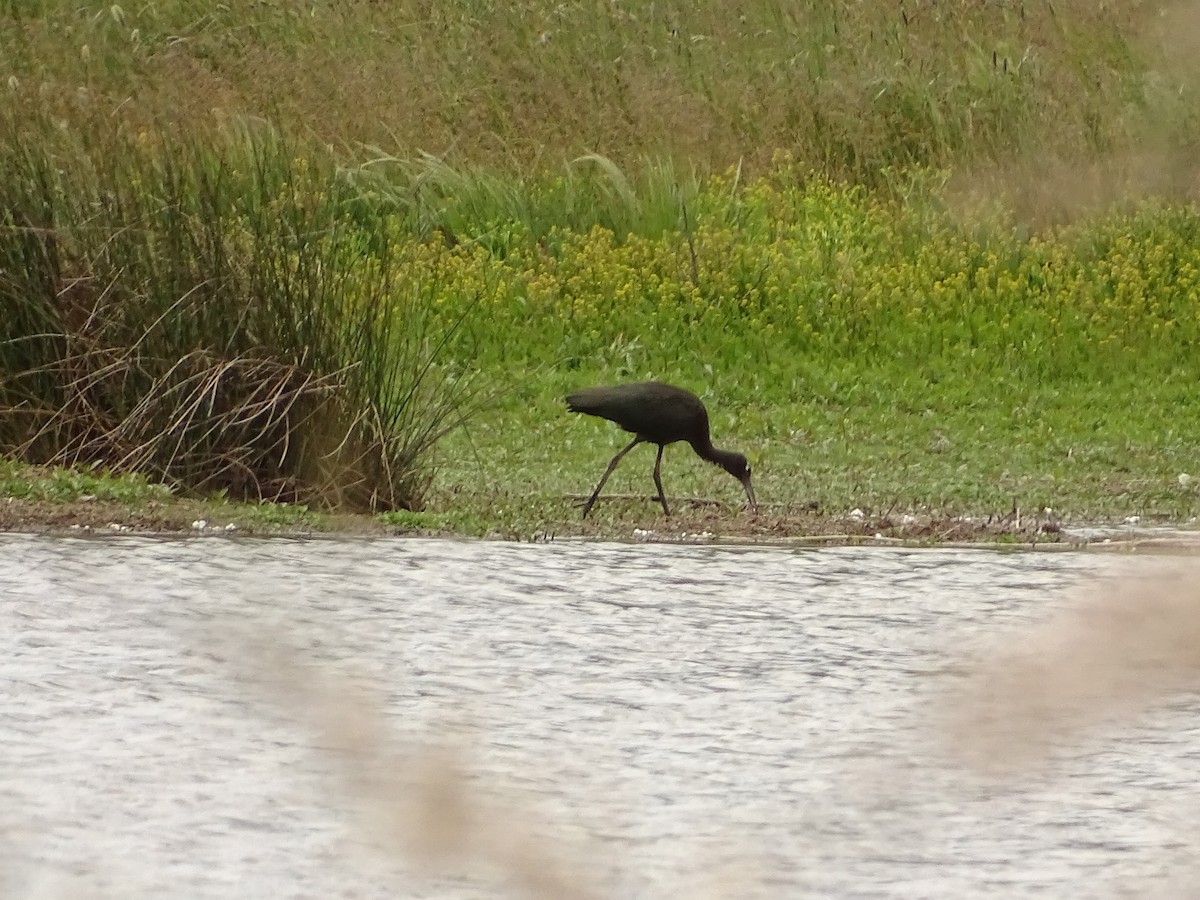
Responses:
[657,413]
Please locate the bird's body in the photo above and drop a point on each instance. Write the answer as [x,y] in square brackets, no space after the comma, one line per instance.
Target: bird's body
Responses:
[657,413]
[661,414]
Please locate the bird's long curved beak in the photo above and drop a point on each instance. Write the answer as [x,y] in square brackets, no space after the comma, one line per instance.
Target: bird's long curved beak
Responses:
[749,492]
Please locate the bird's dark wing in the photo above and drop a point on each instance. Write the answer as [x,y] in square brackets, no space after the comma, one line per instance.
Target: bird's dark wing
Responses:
[657,412]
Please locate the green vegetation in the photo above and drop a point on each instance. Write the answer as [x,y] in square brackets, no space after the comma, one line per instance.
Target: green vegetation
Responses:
[63,485]
[216,316]
[865,353]
[935,259]
[89,498]
[851,87]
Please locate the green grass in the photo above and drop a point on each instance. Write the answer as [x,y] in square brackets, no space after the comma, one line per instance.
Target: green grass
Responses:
[1090,454]
[267,515]
[92,492]
[60,485]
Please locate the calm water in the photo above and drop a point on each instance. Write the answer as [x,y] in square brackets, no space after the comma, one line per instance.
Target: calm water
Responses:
[662,721]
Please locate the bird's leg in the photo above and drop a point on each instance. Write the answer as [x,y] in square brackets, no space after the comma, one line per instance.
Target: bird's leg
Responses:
[658,479]
[587,507]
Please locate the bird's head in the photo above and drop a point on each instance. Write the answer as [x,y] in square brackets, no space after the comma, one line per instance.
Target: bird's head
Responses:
[739,467]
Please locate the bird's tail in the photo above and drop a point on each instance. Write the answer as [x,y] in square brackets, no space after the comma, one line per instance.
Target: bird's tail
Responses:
[585,400]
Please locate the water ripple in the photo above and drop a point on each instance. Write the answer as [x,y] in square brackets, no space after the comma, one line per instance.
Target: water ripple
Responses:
[725,721]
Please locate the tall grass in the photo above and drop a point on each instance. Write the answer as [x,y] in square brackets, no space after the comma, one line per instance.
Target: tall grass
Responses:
[496,211]
[848,87]
[207,314]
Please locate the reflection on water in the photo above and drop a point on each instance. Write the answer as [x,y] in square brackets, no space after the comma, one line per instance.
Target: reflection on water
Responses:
[213,718]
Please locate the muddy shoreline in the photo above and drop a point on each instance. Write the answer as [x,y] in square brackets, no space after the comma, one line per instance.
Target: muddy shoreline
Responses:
[786,527]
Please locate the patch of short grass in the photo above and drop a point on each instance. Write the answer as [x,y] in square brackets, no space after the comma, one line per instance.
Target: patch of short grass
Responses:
[61,485]
[94,498]
[266,515]
[1090,454]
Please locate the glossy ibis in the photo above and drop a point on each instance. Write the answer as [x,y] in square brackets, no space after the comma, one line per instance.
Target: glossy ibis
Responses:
[657,413]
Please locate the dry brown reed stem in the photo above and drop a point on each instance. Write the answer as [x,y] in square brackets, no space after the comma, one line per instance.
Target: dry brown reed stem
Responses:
[1122,646]
[206,314]
[413,805]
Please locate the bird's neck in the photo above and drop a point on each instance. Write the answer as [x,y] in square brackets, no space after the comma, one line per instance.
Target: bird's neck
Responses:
[706,450]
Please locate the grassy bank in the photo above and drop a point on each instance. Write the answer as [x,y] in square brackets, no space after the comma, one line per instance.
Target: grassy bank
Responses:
[866,353]
[951,274]
[885,351]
